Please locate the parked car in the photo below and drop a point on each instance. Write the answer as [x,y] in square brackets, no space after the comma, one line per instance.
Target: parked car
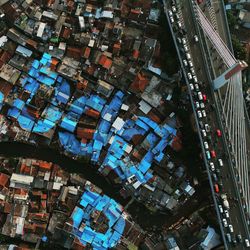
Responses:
[220,162]
[191,86]
[213,154]
[185,63]
[203,132]
[218,132]
[206,145]
[212,166]
[196,39]
[216,188]
[224,221]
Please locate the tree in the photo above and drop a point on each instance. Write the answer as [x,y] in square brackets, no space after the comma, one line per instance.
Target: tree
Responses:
[239,49]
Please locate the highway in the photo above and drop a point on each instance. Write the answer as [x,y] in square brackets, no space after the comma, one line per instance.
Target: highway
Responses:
[218,144]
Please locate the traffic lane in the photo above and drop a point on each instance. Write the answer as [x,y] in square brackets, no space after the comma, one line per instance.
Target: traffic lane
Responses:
[229,186]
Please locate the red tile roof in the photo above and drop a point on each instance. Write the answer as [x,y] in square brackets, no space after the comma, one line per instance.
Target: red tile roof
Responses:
[105,62]
[4,178]
[86,52]
[85,133]
[140,82]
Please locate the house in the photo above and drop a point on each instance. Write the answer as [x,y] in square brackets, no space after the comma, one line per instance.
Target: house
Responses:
[211,238]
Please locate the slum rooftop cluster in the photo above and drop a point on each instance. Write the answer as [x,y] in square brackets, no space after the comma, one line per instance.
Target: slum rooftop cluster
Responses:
[40,201]
[89,77]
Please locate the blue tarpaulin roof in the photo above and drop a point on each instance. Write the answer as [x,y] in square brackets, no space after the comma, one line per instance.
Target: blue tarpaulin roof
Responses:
[25,123]
[92,201]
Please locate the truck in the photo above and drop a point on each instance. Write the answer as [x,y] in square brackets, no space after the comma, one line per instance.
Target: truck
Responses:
[225,201]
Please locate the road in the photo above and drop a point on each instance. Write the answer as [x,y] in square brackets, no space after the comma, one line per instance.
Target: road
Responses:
[218,144]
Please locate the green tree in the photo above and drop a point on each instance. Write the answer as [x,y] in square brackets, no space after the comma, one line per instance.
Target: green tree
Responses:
[239,49]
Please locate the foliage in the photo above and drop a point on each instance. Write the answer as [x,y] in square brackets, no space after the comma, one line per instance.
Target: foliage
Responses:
[239,49]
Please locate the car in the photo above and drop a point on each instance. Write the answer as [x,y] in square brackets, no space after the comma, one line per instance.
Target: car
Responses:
[189,76]
[179,24]
[185,63]
[239,238]
[215,180]
[200,96]
[226,213]
[220,162]
[207,128]
[247,244]
[220,209]
[234,241]
[231,229]
[216,188]
[197,105]
[212,166]
[203,132]
[199,114]
[206,145]
[173,8]
[184,41]
[188,56]
[192,71]
[204,113]
[228,237]
[196,39]
[201,124]
[217,170]
[202,105]
[190,63]
[224,221]
[170,13]
[191,86]
[196,86]
[204,98]
[171,19]
[195,79]
[218,132]
[213,154]
[185,48]
[208,155]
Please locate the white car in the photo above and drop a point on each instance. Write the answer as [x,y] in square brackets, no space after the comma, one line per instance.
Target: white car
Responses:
[185,48]
[195,79]
[189,76]
[177,16]
[231,229]
[188,56]
[211,165]
[200,96]
[197,105]
[184,41]
[196,39]
[206,145]
[190,63]
[197,87]
[247,243]
[199,114]
[170,13]
[185,63]
[204,113]
[192,71]
[224,221]
[207,128]
[203,131]
[226,214]
[191,86]
[171,19]
[179,24]
[202,105]
[173,9]
[220,162]
[220,209]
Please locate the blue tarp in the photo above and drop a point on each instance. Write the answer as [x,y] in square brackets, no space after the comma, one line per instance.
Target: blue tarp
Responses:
[92,201]
[19,104]
[25,123]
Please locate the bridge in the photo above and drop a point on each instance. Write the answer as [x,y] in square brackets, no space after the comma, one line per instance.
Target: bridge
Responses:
[219,77]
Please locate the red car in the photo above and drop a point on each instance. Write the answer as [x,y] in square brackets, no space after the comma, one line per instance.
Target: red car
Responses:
[204,98]
[213,154]
[216,188]
[218,132]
